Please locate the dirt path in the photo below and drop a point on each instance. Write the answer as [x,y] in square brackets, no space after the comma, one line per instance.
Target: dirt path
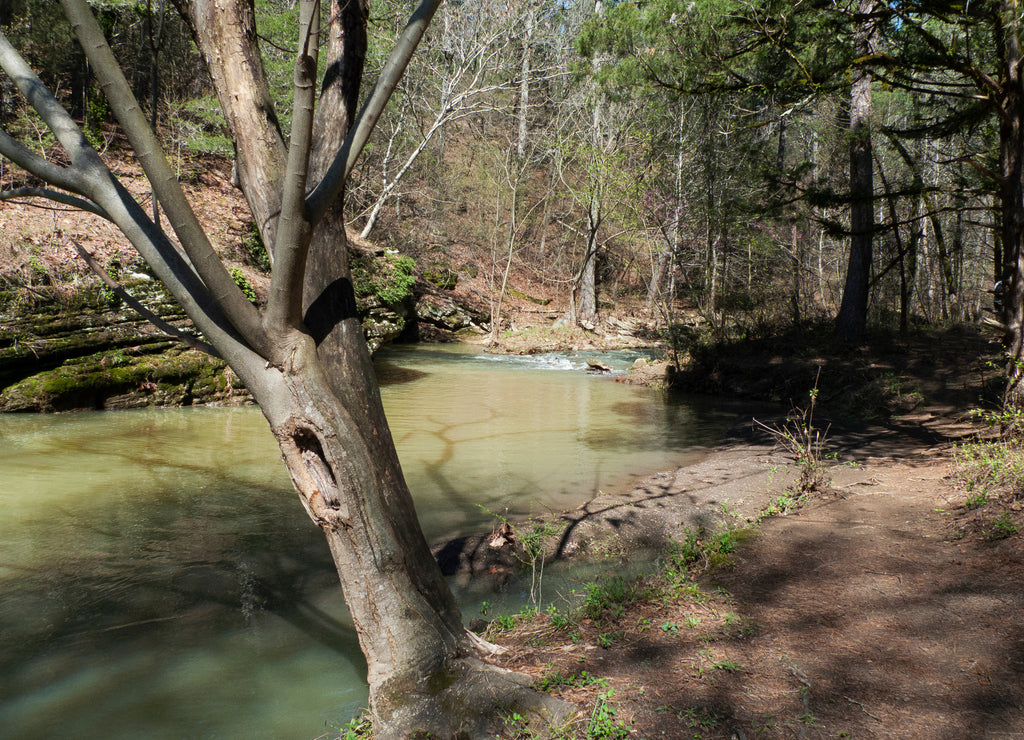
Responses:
[872,619]
[874,611]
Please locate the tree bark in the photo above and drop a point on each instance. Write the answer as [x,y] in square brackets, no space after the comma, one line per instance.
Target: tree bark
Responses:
[600,147]
[523,104]
[673,241]
[409,627]
[1011,141]
[225,34]
[342,461]
[853,310]
[588,274]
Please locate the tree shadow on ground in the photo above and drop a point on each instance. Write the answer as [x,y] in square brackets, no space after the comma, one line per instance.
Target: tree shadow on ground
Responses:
[843,624]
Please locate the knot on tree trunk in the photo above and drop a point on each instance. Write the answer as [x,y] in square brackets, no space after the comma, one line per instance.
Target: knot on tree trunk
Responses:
[312,473]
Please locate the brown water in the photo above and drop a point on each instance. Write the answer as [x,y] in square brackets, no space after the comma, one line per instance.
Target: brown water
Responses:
[159,579]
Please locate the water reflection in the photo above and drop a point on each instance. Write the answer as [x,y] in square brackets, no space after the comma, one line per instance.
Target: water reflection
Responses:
[159,579]
[155,573]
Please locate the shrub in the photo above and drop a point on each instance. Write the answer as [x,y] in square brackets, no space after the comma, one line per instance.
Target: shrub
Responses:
[390,276]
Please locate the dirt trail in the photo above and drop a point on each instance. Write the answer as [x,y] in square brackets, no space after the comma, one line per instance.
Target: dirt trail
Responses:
[873,619]
[877,610]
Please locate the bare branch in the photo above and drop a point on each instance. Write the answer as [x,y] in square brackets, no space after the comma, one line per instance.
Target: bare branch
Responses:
[137,306]
[242,314]
[334,180]
[101,187]
[284,307]
[56,196]
[55,117]
[31,162]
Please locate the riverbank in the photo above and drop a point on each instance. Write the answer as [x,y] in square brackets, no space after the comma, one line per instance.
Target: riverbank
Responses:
[878,607]
[881,605]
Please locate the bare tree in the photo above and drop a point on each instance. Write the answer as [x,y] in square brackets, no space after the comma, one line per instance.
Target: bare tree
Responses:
[461,82]
[303,356]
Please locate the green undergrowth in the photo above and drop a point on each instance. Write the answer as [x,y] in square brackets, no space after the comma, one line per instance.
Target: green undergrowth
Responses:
[806,445]
[388,276]
[990,469]
[991,465]
[599,615]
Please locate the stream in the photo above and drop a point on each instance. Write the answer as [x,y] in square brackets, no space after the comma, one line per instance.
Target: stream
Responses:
[159,578]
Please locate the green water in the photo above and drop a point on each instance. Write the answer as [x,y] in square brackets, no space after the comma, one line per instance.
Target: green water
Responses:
[159,579]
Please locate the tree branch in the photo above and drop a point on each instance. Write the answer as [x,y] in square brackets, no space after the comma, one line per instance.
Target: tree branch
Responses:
[955,62]
[245,100]
[56,196]
[284,306]
[242,314]
[101,187]
[334,180]
[137,306]
[31,162]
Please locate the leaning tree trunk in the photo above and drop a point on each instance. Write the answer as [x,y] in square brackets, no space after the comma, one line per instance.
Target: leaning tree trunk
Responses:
[424,669]
[853,310]
[409,627]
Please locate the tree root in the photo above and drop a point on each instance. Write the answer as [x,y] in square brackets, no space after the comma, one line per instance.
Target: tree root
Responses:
[468,700]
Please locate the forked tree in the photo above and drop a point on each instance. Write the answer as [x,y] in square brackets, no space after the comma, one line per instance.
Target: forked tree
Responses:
[303,355]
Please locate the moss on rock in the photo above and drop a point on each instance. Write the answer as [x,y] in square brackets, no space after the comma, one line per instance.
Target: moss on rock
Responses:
[169,376]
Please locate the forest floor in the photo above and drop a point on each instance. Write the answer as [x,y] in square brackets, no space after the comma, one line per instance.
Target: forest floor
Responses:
[884,604]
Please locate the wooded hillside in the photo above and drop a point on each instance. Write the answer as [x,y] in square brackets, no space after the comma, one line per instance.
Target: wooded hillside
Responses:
[675,156]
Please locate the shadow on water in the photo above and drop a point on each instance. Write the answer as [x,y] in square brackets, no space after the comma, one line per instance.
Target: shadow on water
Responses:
[156,566]
[158,583]
[166,566]
[389,373]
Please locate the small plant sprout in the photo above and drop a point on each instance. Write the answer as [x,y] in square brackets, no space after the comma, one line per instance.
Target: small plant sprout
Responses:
[804,442]
[991,466]
[528,547]
[1002,527]
[603,725]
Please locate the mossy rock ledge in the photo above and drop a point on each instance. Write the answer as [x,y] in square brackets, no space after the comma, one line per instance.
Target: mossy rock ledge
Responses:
[152,375]
[65,350]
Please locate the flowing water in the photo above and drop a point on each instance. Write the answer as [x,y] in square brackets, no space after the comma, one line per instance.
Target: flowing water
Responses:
[159,578]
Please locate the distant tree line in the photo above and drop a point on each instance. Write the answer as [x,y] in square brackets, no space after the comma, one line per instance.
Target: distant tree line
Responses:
[755,162]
